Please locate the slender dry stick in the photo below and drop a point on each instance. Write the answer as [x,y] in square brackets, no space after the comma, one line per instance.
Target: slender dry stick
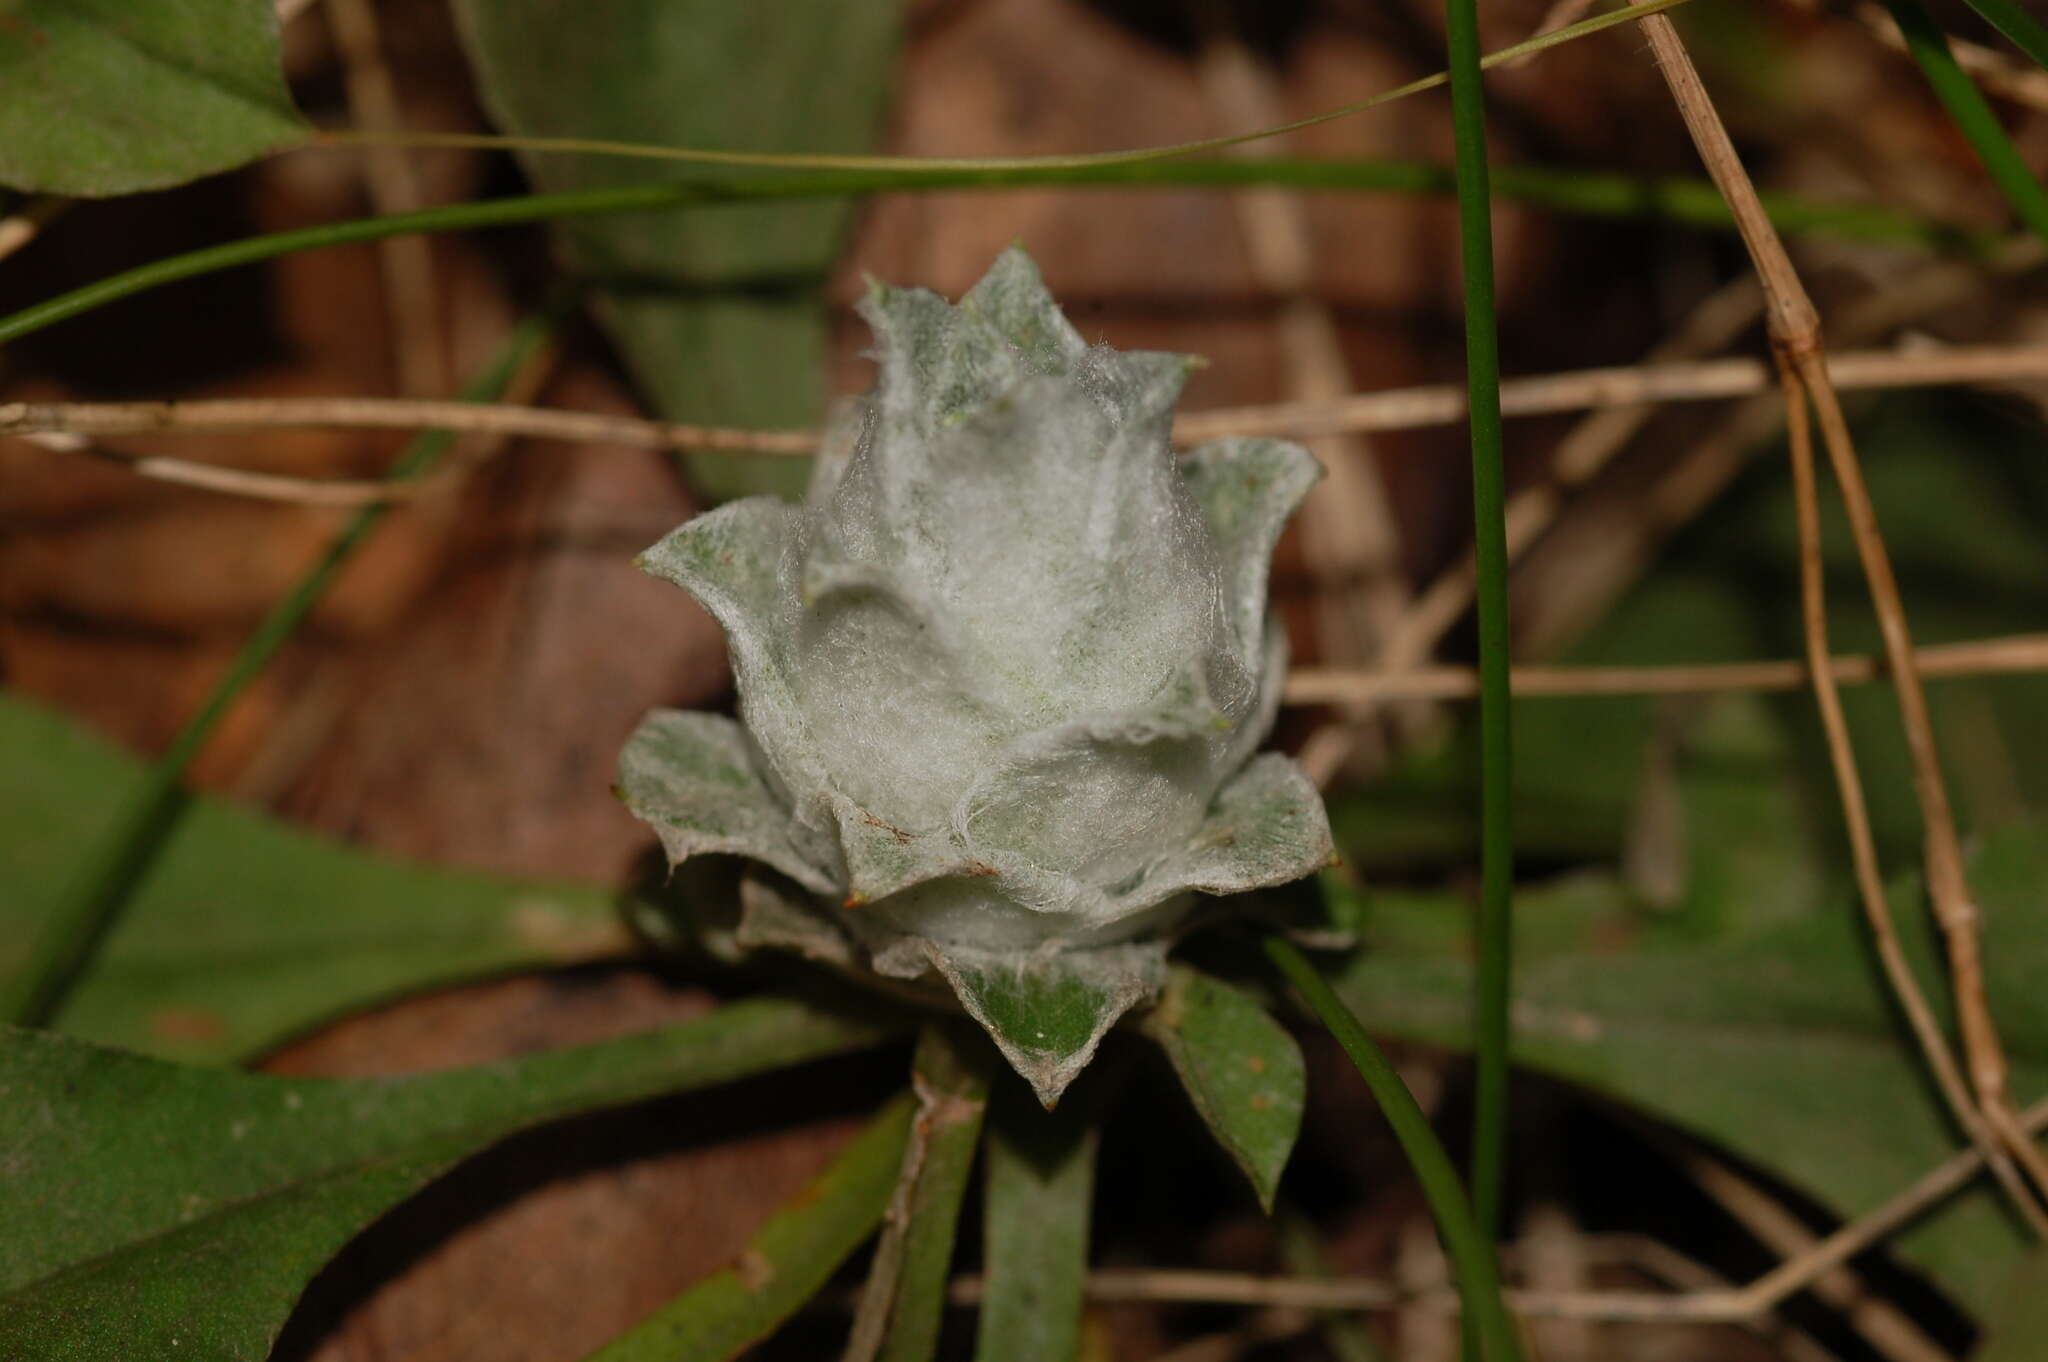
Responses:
[1419,407]
[2018,653]
[1580,456]
[1795,333]
[393,181]
[1883,1325]
[1734,1305]
[1585,566]
[1948,885]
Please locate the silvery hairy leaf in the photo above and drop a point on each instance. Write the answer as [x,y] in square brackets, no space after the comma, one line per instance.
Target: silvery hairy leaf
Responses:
[1001,677]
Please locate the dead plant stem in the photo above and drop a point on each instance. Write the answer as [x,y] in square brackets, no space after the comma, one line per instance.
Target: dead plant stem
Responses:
[1794,326]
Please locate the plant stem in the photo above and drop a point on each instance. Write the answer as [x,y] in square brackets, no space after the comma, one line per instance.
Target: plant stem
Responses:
[1490,556]
[1672,199]
[94,901]
[1469,1248]
[1973,117]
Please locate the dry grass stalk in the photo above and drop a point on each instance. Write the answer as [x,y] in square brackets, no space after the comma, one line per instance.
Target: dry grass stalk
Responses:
[71,427]
[1883,1325]
[1340,685]
[1597,552]
[1795,333]
[1704,1305]
[1580,456]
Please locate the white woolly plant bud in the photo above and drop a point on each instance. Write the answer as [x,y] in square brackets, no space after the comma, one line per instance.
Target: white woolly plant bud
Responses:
[1001,677]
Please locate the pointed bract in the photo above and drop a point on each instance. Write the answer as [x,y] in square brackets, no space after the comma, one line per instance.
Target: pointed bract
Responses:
[1047,1012]
[691,778]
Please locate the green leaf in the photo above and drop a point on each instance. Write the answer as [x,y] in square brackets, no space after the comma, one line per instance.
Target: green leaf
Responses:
[111,97]
[898,1319]
[718,315]
[2022,29]
[1748,1009]
[786,1264]
[1241,1069]
[1040,1182]
[158,1210]
[1779,1042]
[2018,1321]
[248,930]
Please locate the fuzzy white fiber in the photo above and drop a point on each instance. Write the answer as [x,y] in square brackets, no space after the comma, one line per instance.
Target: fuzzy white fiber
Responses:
[1001,677]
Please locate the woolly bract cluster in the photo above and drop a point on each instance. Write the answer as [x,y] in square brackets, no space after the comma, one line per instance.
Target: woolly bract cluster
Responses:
[1001,677]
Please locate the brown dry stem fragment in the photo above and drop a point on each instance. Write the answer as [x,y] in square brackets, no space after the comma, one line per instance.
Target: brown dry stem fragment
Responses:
[1796,342]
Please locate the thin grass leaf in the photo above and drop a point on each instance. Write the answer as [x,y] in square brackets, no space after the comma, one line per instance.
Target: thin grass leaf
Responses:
[1490,556]
[1469,1248]
[1040,1184]
[787,1263]
[69,936]
[590,146]
[1672,199]
[2022,29]
[1973,117]
[157,1210]
[898,1317]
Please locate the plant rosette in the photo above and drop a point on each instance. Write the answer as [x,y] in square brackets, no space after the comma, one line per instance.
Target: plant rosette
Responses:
[1001,677]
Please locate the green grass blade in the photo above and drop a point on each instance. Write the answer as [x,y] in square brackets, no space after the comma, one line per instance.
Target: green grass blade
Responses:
[1468,1247]
[786,1264]
[756,160]
[71,935]
[898,1317]
[1040,1183]
[1688,201]
[2022,29]
[1973,117]
[1490,553]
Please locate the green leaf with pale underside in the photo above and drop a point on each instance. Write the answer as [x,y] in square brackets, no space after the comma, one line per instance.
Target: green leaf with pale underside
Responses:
[112,96]
[1241,1069]
[160,1210]
[248,930]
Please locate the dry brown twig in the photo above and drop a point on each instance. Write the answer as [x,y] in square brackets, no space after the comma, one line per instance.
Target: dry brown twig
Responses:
[1732,1305]
[1794,325]
[1580,456]
[1883,1325]
[1595,554]
[72,426]
[1355,685]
